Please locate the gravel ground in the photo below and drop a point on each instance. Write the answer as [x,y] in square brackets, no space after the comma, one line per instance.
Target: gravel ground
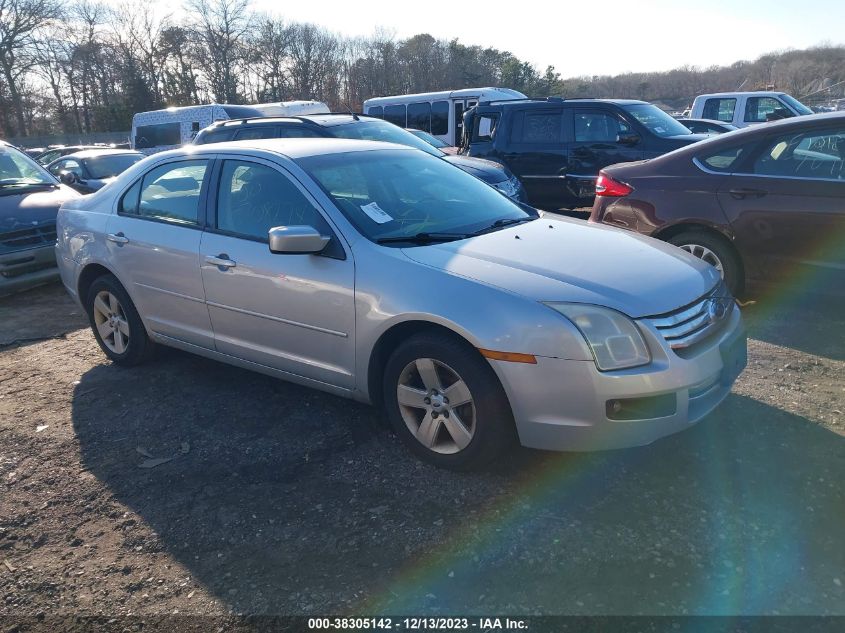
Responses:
[282,500]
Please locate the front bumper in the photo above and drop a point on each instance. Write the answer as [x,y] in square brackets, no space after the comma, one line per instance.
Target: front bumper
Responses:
[562,404]
[28,268]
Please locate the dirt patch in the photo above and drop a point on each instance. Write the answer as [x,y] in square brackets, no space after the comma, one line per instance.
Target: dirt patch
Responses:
[283,500]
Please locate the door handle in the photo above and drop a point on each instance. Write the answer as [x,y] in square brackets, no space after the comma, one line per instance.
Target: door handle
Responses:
[221,261]
[744,192]
[117,238]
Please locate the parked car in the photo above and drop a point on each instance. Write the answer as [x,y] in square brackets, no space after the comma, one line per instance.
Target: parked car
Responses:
[556,147]
[160,130]
[435,142]
[380,273]
[753,203]
[707,126]
[90,170]
[356,126]
[48,156]
[29,200]
[742,109]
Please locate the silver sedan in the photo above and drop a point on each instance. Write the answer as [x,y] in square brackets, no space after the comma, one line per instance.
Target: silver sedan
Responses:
[379,273]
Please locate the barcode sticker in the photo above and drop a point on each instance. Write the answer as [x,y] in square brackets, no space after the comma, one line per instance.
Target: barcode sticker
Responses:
[376,213]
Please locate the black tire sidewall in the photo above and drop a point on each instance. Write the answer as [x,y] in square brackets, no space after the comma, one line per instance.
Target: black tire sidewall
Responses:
[730,263]
[140,346]
[494,430]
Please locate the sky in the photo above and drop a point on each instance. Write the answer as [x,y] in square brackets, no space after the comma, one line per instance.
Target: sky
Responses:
[589,37]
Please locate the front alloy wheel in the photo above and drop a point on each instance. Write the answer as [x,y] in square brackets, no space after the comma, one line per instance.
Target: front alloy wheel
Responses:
[445,401]
[436,406]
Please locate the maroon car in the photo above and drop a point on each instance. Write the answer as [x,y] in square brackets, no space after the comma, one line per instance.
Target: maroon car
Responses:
[763,201]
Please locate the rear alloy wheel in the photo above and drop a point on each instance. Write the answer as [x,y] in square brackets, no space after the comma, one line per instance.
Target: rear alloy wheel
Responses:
[446,403]
[717,252]
[116,324]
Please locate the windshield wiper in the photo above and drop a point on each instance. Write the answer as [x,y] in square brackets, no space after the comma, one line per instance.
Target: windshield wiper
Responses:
[501,223]
[424,238]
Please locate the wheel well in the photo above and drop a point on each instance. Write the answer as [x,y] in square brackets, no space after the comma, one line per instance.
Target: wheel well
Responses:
[87,277]
[389,341]
[676,229]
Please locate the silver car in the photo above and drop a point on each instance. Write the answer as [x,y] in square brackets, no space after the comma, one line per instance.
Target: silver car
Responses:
[380,273]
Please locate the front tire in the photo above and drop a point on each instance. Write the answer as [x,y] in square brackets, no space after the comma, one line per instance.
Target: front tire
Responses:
[446,402]
[116,324]
[717,252]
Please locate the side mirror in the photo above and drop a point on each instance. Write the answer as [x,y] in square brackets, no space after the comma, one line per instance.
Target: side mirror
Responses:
[628,138]
[68,177]
[297,239]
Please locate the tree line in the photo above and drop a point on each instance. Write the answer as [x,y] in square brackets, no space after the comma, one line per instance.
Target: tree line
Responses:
[80,66]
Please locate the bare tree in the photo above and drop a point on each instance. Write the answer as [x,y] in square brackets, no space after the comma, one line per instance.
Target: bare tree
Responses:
[20,21]
[221,27]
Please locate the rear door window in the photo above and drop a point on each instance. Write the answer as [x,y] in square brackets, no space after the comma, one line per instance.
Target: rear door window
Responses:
[719,109]
[171,192]
[543,127]
[814,155]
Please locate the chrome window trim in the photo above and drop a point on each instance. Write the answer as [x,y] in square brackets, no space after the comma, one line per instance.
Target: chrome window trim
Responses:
[697,162]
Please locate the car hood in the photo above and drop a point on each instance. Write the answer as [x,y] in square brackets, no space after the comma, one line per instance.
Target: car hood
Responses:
[487,170]
[571,260]
[25,209]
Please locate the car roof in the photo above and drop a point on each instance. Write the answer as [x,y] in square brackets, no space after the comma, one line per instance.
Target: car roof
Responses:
[293,148]
[93,153]
[711,121]
[750,93]
[514,103]
[327,119]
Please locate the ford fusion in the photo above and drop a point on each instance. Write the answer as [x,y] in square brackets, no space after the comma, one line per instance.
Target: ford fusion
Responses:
[381,273]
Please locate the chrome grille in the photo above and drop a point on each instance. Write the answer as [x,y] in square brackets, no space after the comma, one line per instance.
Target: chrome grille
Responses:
[687,325]
[42,234]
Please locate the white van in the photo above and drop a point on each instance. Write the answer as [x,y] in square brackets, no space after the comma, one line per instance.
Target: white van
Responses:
[438,113]
[159,130]
[747,108]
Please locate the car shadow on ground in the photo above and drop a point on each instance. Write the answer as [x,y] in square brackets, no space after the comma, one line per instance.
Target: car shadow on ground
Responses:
[289,501]
[34,315]
[806,314]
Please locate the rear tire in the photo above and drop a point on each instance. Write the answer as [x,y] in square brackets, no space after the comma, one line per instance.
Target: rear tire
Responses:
[116,324]
[717,252]
[470,431]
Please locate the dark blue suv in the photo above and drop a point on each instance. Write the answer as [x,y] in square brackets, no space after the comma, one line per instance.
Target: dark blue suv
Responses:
[556,147]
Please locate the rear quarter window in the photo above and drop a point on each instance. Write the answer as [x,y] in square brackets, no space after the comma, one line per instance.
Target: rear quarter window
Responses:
[723,160]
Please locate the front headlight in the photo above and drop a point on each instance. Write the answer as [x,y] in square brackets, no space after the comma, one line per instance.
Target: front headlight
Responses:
[614,339]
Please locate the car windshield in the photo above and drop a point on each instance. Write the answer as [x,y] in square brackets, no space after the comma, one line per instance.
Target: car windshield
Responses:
[16,168]
[110,165]
[428,138]
[656,120]
[395,194]
[799,107]
[375,130]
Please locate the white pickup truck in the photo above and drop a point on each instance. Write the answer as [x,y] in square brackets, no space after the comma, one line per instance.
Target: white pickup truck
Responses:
[747,108]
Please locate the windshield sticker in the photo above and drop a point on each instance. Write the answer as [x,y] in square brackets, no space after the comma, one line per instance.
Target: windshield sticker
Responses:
[659,130]
[376,213]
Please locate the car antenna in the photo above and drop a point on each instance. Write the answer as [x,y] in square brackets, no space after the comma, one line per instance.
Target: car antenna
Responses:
[354,116]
